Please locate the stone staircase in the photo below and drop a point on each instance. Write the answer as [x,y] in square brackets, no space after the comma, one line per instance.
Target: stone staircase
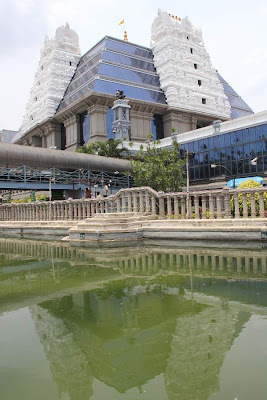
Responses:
[110,228]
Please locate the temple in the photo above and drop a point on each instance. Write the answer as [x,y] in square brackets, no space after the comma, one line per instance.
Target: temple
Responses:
[170,86]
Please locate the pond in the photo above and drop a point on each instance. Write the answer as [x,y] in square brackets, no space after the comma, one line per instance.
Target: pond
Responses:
[145,322]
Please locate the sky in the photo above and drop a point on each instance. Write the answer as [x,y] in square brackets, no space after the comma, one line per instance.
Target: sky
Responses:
[234,32]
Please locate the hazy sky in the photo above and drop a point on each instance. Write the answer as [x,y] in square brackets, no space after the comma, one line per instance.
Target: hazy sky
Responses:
[234,32]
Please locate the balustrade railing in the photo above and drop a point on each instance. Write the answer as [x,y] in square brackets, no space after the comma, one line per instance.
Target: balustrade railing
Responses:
[225,203]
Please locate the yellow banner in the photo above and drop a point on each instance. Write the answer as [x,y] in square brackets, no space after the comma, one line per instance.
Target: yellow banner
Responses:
[122,22]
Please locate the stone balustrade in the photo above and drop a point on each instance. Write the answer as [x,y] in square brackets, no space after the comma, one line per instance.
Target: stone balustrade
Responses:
[224,203]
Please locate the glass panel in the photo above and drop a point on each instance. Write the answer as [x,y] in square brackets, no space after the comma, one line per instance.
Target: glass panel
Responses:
[246,151]
[238,137]
[258,133]
[251,134]
[264,130]
[157,129]
[128,75]
[228,153]
[245,135]
[221,141]
[252,149]
[126,60]
[211,156]
[103,86]
[259,148]
[85,127]
[127,48]
[227,139]
[196,146]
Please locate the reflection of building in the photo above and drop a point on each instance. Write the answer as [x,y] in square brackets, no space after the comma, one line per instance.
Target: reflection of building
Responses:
[125,340]
[125,337]
[198,348]
[171,86]
[68,364]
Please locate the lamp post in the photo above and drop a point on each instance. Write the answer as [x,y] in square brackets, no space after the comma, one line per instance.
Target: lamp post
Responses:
[254,162]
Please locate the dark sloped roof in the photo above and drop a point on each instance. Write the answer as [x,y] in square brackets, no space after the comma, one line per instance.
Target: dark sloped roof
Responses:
[238,107]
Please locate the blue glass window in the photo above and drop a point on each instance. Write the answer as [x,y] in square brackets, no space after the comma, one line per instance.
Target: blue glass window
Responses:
[130,91]
[127,60]
[157,127]
[128,75]
[85,127]
[109,121]
[245,136]
[251,134]
[264,131]
[127,48]
[227,139]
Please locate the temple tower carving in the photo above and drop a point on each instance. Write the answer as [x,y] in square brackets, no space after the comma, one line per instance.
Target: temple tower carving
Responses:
[187,76]
[58,61]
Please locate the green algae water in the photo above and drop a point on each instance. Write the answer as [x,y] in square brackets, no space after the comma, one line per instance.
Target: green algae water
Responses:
[132,323]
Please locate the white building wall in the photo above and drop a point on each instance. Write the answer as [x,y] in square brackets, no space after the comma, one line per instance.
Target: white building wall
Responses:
[58,61]
[186,75]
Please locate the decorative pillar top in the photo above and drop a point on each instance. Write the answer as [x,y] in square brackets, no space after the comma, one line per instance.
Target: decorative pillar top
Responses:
[58,60]
[186,74]
[122,124]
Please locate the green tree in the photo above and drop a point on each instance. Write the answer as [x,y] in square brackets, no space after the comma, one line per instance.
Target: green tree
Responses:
[249,184]
[160,168]
[110,148]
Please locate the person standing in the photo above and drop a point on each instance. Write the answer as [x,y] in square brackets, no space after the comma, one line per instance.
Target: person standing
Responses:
[105,190]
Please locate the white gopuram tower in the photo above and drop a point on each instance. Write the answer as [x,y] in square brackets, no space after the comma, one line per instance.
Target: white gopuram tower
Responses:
[58,61]
[187,77]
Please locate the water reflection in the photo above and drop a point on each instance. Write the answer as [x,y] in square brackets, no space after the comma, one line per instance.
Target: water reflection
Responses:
[124,318]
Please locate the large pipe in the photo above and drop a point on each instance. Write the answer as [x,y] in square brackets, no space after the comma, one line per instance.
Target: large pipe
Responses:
[12,155]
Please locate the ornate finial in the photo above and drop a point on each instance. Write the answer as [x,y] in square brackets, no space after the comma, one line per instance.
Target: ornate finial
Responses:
[125,36]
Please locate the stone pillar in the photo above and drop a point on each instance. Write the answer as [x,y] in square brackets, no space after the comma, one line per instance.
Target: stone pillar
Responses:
[261,205]
[204,207]
[253,206]
[73,134]
[227,205]
[98,127]
[140,124]
[237,212]
[245,205]
[52,131]
[211,206]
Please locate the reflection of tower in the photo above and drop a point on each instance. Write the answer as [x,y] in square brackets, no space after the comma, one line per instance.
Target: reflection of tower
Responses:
[122,124]
[68,364]
[198,351]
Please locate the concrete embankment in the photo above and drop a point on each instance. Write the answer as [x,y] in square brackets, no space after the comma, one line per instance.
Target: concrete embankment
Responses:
[128,227]
[37,230]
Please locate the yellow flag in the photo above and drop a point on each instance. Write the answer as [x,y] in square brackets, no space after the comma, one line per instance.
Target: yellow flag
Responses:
[122,22]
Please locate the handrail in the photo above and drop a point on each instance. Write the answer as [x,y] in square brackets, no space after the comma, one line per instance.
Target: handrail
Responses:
[206,204]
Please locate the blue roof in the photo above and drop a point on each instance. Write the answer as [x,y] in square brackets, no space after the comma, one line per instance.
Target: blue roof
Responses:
[115,64]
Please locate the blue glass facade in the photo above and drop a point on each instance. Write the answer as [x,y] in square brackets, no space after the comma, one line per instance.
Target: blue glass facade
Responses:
[109,121]
[157,128]
[113,64]
[85,127]
[233,150]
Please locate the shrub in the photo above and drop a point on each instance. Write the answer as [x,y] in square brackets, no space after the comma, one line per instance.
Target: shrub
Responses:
[249,184]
